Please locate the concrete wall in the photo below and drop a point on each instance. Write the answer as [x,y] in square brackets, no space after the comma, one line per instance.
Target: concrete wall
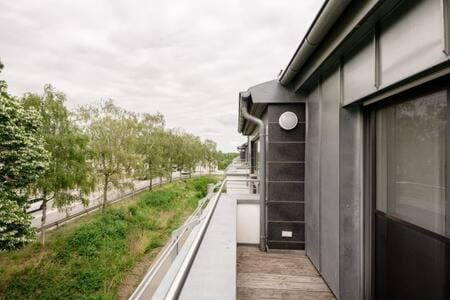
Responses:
[247,218]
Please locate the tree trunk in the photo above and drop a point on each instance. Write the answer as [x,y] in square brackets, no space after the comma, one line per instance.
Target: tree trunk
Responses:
[105,193]
[150,183]
[170,178]
[43,219]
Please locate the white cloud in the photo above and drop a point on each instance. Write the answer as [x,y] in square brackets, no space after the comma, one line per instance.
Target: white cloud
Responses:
[185,59]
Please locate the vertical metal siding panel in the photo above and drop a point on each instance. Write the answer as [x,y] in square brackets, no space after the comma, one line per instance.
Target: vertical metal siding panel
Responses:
[329,182]
[312,178]
[411,40]
[350,190]
[359,71]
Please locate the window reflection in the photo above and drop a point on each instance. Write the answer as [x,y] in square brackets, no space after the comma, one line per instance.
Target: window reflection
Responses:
[411,145]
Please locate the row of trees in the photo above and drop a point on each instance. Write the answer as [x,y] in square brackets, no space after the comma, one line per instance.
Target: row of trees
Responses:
[49,152]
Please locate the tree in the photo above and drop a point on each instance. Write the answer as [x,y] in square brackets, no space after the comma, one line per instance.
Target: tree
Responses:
[170,147]
[23,159]
[210,154]
[224,159]
[150,146]
[68,178]
[113,134]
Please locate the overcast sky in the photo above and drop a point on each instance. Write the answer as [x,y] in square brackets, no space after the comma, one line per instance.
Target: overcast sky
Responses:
[185,59]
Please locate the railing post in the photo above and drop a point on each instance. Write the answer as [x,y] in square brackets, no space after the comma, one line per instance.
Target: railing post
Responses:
[210,188]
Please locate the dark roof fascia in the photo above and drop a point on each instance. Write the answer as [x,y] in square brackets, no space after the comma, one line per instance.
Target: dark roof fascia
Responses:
[259,96]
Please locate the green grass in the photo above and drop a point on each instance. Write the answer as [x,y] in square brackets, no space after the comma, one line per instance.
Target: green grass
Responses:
[89,258]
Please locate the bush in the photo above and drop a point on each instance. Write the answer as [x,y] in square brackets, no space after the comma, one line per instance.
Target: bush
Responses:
[89,260]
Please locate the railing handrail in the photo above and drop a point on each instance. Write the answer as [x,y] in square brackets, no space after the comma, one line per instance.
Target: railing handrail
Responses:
[178,283]
[157,265]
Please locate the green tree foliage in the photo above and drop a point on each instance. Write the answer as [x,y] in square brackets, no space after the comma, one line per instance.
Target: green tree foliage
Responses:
[23,159]
[47,152]
[89,260]
[210,154]
[150,146]
[224,159]
[68,178]
[113,136]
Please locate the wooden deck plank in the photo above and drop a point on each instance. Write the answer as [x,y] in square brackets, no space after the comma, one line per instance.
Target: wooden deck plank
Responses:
[278,275]
[254,294]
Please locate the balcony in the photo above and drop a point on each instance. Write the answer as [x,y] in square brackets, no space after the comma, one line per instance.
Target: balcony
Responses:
[215,254]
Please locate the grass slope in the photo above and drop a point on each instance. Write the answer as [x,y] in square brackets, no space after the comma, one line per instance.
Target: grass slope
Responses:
[89,258]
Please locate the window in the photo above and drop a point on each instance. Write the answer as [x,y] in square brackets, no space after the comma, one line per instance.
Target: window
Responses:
[410,161]
[255,157]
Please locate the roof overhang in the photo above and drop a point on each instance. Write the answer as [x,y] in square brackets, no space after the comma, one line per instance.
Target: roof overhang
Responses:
[257,97]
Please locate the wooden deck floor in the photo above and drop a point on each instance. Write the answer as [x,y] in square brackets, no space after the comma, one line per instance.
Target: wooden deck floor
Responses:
[278,275]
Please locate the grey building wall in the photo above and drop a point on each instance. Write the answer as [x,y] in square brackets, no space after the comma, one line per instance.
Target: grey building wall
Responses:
[322,178]
[329,179]
[403,43]
[376,49]
[312,178]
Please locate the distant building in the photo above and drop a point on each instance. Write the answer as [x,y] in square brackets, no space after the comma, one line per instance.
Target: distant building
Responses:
[354,148]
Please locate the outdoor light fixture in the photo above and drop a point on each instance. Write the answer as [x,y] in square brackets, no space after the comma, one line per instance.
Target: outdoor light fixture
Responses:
[288,120]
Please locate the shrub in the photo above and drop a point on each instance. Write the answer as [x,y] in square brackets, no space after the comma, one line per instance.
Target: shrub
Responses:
[89,260]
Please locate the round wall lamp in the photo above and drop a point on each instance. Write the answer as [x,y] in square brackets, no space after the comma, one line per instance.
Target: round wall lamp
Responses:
[288,120]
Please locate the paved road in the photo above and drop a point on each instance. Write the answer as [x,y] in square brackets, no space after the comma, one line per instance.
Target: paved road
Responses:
[54,215]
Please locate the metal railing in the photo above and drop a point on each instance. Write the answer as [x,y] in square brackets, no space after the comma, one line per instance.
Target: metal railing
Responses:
[159,268]
[151,280]
[180,279]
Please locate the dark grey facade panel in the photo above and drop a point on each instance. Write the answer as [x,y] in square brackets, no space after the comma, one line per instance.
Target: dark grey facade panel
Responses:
[286,152]
[286,175]
[287,245]
[286,211]
[286,191]
[312,179]
[279,135]
[282,171]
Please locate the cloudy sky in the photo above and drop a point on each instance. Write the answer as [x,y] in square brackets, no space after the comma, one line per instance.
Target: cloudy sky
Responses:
[185,59]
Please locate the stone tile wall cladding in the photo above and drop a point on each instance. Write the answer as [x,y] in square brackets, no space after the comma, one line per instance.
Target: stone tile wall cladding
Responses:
[285,179]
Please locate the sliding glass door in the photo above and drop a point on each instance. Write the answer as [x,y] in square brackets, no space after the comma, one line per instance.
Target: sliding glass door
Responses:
[411,235]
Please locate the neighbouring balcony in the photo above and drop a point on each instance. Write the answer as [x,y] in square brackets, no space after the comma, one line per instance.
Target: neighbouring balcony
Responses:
[215,254]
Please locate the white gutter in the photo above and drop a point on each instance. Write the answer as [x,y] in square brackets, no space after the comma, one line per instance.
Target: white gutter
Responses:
[326,18]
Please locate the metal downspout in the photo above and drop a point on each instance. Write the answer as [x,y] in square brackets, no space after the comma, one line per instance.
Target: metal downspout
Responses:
[262,188]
